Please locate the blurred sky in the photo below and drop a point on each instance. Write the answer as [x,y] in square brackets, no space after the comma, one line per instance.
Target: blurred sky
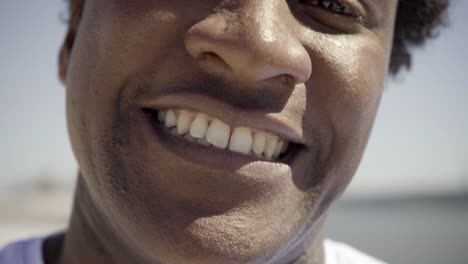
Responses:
[419,143]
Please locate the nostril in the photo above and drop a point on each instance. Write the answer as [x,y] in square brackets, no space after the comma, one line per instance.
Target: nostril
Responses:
[213,60]
[209,56]
[288,80]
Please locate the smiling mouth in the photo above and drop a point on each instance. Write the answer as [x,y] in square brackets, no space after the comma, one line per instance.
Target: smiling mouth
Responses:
[205,130]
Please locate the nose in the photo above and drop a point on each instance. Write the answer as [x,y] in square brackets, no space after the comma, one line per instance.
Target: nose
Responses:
[252,42]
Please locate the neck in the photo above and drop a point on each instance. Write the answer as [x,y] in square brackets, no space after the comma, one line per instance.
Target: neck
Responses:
[89,239]
[306,249]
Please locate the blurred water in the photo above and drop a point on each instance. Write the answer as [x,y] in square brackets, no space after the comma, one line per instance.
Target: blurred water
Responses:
[430,230]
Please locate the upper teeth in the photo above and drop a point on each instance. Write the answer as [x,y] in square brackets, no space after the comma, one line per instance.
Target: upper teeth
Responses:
[206,130]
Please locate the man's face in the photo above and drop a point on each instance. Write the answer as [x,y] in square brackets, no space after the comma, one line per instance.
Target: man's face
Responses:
[289,71]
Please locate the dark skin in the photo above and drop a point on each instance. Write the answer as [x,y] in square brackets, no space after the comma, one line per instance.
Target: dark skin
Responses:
[316,73]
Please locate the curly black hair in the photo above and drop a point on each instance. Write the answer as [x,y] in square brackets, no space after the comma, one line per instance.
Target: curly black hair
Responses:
[416,22]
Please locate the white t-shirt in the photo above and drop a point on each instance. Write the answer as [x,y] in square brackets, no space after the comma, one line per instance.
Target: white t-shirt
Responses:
[30,252]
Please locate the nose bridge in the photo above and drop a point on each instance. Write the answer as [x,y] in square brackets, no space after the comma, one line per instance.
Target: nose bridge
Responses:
[251,41]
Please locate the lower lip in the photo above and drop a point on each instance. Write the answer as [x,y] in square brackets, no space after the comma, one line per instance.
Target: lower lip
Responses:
[243,166]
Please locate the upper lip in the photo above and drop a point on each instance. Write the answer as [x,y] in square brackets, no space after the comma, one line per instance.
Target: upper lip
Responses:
[235,117]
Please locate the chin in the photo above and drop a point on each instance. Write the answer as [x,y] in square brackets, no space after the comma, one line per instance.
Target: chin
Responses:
[230,238]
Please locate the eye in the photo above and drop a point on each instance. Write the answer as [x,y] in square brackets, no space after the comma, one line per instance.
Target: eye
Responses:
[334,6]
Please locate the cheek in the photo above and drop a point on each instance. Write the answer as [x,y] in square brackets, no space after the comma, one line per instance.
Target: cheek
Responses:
[344,94]
[358,86]
[128,37]
[116,40]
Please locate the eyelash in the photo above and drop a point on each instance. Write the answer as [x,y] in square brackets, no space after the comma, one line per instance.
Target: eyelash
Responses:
[334,6]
